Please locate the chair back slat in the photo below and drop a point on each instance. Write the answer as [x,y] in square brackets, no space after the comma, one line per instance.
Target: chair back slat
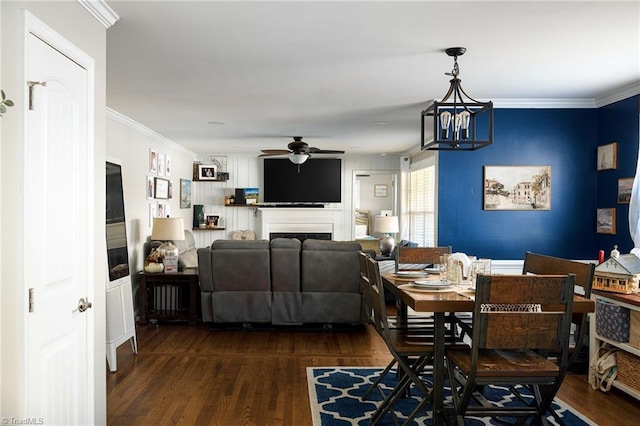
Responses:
[541,264]
[419,255]
[380,319]
[523,311]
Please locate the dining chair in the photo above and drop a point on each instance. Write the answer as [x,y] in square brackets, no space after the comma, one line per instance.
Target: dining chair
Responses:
[514,318]
[417,329]
[413,258]
[548,265]
[411,350]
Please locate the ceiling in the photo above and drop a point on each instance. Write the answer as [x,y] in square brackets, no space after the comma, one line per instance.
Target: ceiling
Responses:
[237,77]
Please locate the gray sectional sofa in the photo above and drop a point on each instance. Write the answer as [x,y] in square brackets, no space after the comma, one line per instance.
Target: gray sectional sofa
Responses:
[281,282]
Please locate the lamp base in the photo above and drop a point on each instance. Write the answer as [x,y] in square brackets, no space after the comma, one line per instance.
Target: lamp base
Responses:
[386,244]
[170,256]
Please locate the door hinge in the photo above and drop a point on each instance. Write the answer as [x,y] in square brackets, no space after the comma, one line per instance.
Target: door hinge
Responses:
[31,307]
[31,94]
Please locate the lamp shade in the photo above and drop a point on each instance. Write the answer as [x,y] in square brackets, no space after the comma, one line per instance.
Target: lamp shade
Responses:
[386,224]
[167,229]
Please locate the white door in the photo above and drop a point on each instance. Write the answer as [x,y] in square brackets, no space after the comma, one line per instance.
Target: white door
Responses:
[58,246]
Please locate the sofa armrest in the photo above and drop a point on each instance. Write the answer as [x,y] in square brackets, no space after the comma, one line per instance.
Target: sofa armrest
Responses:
[204,269]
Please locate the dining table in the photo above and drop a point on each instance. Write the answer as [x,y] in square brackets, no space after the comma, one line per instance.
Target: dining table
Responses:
[456,298]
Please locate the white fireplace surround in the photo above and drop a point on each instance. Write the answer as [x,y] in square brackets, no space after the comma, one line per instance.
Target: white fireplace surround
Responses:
[300,220]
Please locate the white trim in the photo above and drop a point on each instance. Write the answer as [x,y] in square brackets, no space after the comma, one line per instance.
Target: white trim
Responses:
[123,119]
[624,93]
[100,10]
[544,103]
[33,25]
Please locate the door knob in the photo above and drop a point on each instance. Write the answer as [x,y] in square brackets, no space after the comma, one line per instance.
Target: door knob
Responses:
[83,305]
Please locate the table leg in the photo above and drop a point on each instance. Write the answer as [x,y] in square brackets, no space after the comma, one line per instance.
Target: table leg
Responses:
[438,368]
[193,308]
[142,285]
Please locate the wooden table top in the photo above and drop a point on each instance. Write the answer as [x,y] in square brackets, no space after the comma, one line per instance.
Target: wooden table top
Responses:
[452,301]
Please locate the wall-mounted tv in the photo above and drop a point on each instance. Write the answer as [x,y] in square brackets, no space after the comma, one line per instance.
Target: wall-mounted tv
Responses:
[315,181]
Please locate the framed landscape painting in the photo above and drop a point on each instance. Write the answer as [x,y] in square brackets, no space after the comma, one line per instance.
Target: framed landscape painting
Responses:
[517,188]
[625,185]
[606,221]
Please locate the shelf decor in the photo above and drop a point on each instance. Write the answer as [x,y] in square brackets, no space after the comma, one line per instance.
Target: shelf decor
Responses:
[207,172]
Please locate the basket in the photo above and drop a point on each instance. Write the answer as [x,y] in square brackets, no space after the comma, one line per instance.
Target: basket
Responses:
[628,369]
[612,321]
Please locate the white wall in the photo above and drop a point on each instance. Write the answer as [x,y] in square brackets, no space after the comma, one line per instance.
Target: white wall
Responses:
[130,142]
[89,35]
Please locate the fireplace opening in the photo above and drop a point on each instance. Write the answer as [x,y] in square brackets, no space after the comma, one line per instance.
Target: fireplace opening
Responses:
[301,235]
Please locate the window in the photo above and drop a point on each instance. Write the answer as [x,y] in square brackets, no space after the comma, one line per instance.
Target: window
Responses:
[421,203]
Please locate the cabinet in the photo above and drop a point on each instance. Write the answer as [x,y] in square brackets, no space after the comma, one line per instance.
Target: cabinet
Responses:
[628,301]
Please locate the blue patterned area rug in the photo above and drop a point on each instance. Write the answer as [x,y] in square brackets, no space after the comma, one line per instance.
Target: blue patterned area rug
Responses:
[335,394]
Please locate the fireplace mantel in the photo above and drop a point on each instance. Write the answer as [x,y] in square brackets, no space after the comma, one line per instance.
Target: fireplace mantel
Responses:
[300,220]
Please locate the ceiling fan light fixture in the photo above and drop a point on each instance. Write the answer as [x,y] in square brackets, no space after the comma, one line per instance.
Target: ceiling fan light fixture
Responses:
[298,158]
[457,122]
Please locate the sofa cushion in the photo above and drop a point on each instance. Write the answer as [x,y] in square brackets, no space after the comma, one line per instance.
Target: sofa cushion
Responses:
[330,266]
[187,251]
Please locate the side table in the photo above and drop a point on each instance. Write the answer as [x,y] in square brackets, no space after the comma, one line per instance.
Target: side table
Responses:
[162,296]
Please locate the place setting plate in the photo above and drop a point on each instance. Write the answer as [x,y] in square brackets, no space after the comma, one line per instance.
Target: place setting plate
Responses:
[428,286]
[410,275]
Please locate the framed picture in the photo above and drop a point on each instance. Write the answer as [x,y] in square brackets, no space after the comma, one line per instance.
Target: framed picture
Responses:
[170,190]
[380,190]
[161,210]
[608,156]
[606,221]
[161,164]
[517,188]
[153,161]
[212,221]
[161,188]
[152,213]
[624,190]
[149,187]
[185,194]
[207,172]
[167,165]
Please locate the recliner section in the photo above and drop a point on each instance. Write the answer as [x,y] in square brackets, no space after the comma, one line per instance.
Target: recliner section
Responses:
[281,282]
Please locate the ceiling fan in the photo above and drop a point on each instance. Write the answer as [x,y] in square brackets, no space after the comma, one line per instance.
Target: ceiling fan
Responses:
[298,151]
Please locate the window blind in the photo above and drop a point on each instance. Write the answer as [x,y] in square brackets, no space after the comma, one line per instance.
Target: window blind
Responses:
[421,212]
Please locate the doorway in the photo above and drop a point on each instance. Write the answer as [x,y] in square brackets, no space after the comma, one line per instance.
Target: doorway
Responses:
[374,193]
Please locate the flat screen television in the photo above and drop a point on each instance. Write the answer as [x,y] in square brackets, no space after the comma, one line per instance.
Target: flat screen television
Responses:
[116,229]
[315,181]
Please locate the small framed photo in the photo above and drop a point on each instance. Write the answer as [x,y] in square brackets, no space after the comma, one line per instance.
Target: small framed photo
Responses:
[161,164]
[624,190]
[153,161]
[608,156]
[161,188]
[152,213]
[170,192]
[185,194]
[167,165]
[207,172]
[380,190]
[212,221]
[606,221]
[149,187]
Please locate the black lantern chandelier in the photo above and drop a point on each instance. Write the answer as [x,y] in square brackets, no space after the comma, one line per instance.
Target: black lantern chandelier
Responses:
[460,123]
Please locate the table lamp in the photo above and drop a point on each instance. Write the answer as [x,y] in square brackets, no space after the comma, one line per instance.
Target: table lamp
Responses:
[167,229]
[387,225]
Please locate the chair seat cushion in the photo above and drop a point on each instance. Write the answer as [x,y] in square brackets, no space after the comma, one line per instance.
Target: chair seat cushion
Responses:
[500,363]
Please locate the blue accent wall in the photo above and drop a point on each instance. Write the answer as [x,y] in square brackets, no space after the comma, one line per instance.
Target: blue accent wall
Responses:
[620,123]
[565,139]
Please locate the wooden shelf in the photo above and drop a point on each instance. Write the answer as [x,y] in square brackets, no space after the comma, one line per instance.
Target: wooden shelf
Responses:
[209,229]
[242,205]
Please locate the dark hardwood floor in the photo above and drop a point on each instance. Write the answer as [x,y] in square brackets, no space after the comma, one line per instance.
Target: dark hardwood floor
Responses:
[195,376]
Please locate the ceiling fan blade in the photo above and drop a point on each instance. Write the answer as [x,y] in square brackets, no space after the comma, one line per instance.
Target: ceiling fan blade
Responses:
[276,151]
[271,154]
[325,151]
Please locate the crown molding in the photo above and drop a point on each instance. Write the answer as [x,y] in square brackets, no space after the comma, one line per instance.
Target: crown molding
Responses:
[544,103]
[624,93]
[123,119]
[100,10]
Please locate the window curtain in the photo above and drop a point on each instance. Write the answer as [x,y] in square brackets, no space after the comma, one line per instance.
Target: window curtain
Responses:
[634,211]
